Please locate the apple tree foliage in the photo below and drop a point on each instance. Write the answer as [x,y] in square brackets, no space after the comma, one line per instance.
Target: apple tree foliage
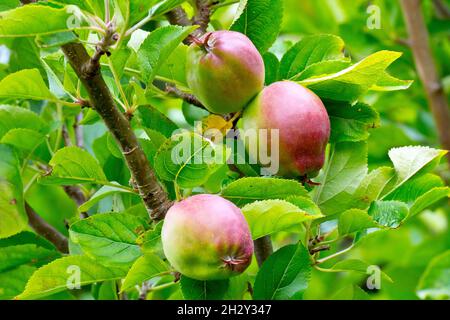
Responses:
[55,150]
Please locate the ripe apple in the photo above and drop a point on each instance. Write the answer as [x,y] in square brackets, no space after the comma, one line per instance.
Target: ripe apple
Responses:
[302,122]
[206,237]
[224,71]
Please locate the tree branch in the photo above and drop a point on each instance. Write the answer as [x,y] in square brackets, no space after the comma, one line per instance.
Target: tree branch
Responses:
[88,70]
[263,249]
[201,17]
[189,98]
[46,230]
[442,10]
[179,17]
[420,45]
[78,128]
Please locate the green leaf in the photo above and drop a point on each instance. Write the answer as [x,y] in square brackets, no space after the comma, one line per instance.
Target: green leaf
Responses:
[308,51]
[351,292]
[429,198]
[17,117]
[305,204]
[409,161]
[188,159]
[389,83]
[351,122]
[56,39]
[344,169]
[284,275]
[192,113]
[27,141]
[321,69]
[40,20]
[237,287]
[9,4]
[389,214]
[25,84]
[157,47]
[261,22]
[153,119]
[355,220]
[26,237]
[72,165]
[13,282]
[355,265]
[435,281]
[138,9]
[150,241]
[165,6]
[270,216]
[143,269]
[203,290]
[415,187]
[174,67]
[25,254]
[368,190]
[152,145]
[271,66]
[109,238]
[13,218]
[349,84]
[102,193]
[247,190]
[57,275]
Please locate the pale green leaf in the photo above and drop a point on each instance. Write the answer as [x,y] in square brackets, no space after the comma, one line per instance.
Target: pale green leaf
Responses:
[143,269]
[40,20]
[102,193]
[110,237]
[355,220]
[389,214]
[25,84]
[157,47]
[344,169]
[308,51]
[435,281]
[203,290]
[72,165]
[284,275]
[270,216]
[61,273]
[247,190]
[350,83]
[351,122]
[13,218]
[261,22]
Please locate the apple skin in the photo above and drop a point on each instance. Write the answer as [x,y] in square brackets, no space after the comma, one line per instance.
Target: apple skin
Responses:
[206,237]
[303,123]
[224,71]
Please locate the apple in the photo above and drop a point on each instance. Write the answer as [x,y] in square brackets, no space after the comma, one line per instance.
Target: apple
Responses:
[224,71]
[206,237]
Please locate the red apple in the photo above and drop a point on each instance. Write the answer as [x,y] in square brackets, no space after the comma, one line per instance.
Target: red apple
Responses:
[224,71]
[206,237]
[302,121]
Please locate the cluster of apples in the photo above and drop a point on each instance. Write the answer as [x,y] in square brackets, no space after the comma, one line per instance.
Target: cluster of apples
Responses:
[206,237]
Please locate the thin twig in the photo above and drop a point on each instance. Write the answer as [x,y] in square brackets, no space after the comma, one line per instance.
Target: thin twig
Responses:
[442,10]
[46,230]
[189,98]
[334,255]
[78,128]
[154,196]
